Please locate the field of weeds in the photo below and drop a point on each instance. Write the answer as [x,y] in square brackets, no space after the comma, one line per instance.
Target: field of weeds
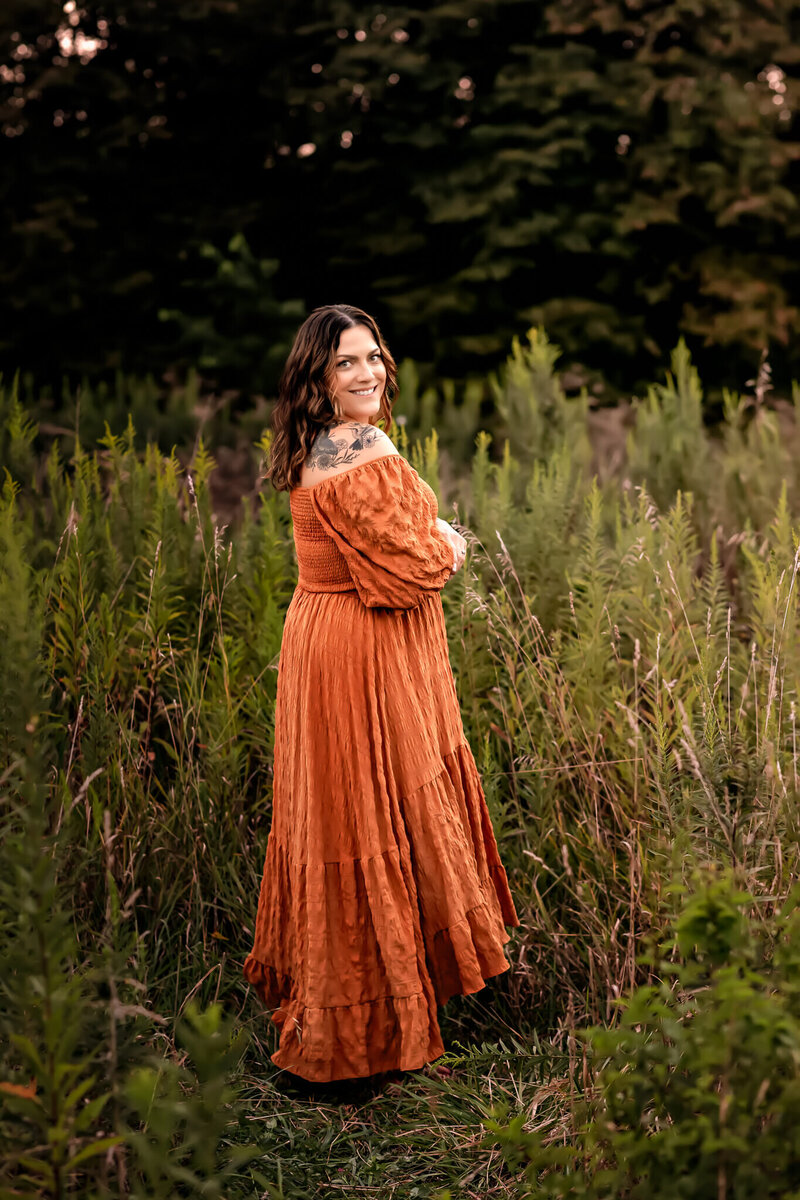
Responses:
[624,640]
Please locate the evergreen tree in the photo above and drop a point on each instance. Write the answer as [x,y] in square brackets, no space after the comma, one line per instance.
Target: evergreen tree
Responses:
[616,171]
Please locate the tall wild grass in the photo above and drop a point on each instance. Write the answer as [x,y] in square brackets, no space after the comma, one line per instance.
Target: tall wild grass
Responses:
[625,647]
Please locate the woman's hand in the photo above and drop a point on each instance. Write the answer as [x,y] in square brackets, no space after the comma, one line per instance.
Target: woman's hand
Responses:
[456,541]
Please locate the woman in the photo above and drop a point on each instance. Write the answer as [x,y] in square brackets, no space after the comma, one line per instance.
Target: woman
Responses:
[383,894]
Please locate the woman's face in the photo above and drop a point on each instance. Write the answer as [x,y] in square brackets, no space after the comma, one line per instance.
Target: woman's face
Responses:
[359,375]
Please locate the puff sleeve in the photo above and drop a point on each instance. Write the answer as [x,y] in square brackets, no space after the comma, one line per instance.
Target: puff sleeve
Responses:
[382,516]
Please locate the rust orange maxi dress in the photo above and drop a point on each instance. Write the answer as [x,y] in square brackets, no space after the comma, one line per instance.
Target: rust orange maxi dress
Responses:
[383,893]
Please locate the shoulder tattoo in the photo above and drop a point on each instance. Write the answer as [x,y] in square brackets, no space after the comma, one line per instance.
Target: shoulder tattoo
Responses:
[337,445]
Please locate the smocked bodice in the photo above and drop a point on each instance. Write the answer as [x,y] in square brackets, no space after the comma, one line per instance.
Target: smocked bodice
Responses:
[371,529]
[321,565]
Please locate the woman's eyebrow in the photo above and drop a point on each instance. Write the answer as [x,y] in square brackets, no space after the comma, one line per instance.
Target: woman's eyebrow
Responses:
[374,350]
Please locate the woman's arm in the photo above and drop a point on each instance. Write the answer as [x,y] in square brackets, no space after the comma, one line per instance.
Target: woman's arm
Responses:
[382,517]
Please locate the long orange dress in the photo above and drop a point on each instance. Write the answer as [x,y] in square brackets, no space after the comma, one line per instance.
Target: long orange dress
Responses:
[383,893]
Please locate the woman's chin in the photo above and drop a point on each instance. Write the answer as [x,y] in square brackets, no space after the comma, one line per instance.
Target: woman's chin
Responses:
[364,412]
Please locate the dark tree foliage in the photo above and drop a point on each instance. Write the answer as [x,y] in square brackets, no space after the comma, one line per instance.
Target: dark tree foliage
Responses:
[129,162]
[622,171]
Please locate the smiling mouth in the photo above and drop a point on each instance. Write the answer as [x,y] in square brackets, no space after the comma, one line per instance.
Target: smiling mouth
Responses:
[365,391]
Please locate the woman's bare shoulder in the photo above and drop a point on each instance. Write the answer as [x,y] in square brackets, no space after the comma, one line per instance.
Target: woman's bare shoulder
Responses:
[341,446]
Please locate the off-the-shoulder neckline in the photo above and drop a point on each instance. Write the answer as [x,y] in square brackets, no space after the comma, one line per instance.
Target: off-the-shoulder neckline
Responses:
[347,471]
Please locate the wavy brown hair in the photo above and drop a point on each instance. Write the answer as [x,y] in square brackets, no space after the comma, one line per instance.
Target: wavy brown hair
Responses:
[304,403]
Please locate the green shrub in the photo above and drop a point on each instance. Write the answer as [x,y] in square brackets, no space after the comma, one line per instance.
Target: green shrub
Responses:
[182,1140]
[695,1093]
